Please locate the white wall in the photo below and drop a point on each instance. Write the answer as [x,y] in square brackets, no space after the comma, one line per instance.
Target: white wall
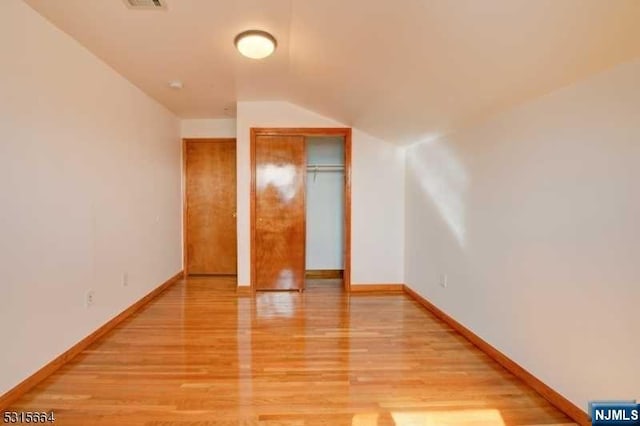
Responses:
[90,186]
[535,217]
[208,128]
[325,205]
[377,222]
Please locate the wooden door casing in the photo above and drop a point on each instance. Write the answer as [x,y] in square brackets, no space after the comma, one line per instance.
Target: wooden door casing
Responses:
[280,226]
[345,133]
[210,206]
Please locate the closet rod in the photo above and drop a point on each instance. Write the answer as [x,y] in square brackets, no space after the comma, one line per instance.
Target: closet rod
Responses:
[325,166]
[315,168]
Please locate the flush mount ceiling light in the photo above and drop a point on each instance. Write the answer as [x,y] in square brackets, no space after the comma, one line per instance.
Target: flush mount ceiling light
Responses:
[255,44]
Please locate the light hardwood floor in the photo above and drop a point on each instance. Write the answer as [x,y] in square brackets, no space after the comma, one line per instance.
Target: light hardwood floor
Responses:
[201,355]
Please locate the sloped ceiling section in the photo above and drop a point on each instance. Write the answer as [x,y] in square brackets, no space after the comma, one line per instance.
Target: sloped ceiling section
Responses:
[403,70]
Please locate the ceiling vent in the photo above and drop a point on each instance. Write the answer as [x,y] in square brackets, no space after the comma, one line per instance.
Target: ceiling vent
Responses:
[146,4]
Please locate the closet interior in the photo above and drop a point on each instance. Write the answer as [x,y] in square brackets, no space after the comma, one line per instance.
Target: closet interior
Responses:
[324,208]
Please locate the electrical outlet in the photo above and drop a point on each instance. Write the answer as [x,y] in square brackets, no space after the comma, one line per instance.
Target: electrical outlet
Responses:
[89,298]
[444,280]
[125,279]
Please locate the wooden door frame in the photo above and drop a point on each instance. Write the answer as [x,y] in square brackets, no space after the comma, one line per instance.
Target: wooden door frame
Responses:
[185,216]
[345,132]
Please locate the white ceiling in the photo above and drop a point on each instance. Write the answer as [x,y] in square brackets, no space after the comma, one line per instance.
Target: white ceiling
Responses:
[402,70]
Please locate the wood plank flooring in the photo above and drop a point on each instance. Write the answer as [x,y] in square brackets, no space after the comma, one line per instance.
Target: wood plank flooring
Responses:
[201,355]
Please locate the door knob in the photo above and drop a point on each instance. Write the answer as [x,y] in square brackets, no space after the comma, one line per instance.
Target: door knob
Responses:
[234,214]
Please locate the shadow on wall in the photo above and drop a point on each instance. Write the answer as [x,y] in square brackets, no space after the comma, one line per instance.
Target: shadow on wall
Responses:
[443,178]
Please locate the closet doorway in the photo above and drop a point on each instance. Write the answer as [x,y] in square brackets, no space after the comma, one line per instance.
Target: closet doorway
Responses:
[300,206]
[210,242]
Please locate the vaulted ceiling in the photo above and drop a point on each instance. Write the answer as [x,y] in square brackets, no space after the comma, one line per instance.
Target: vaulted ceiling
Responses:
[401,70]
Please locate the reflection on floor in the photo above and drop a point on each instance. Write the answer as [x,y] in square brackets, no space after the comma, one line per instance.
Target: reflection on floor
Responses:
[199,354]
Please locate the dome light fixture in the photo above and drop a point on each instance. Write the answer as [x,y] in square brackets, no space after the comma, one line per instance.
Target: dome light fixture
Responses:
[255,44]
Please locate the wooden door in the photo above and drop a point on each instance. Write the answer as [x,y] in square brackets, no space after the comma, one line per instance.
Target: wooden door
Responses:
[210,224]
[279,212]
